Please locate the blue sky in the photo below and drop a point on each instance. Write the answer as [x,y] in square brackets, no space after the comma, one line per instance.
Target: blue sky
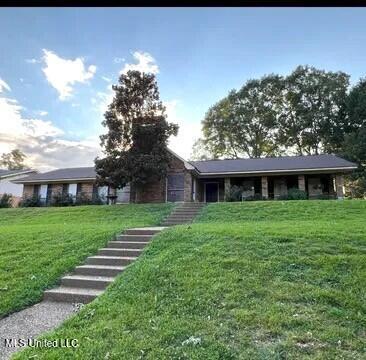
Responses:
[57,65]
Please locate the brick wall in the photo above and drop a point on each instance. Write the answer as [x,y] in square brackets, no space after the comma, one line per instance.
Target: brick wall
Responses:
[28,191]
[153,192]
[56,189]
[156,191]
[87,189]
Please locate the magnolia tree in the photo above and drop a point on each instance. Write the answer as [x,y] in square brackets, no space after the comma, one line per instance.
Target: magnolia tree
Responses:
[135,145]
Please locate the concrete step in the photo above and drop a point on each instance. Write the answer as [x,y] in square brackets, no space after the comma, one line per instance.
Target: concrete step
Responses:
[134,238]
[178,216]
[190,207]
[127,244]
[169,223]
[178,219]
[197,208]
[99,270]
[72,294]
[192,213]
[119,252]
[110,260]
[144,231]
[86,281]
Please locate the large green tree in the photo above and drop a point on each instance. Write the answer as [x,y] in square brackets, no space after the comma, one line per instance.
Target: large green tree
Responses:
[305,113]
[313,118]
[14,160]
[135,145]
[354,145]
[245,123]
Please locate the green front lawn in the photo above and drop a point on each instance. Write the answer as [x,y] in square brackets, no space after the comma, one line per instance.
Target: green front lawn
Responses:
[253,280]
[39,245]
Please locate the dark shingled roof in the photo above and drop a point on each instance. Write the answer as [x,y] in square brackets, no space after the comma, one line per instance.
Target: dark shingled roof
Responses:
[4,172]
[62,174]
[317,162]
[272,164]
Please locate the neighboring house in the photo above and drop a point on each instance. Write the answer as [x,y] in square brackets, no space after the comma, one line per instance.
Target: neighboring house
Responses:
[207,181]
[8,187]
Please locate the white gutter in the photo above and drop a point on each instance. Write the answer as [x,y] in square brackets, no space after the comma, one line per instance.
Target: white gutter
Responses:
[277,171]
[40,181]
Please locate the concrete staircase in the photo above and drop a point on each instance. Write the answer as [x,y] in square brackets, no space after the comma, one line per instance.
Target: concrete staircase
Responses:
[183,214]
[90,280]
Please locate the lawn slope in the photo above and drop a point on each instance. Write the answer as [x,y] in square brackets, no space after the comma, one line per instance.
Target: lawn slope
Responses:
[38,245]
[253,280]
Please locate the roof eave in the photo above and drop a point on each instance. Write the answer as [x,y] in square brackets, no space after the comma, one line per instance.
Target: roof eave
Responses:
[268,172]
[47,181]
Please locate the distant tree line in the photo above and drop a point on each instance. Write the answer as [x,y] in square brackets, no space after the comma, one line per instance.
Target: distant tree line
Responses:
[310,111]
[14,160]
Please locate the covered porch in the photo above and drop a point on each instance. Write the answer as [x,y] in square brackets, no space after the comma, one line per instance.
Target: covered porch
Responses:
[273,187]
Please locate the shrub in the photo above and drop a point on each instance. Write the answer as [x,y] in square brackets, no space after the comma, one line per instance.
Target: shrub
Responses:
[234,194]
[254,197]
[296,194]
[6,201]
[84,199]
[33,201]
[60,199]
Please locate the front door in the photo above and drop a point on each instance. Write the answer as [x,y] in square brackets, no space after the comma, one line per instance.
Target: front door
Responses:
[212,192]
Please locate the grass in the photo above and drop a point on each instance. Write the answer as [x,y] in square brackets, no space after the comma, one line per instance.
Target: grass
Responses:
[253,280]
[38,245]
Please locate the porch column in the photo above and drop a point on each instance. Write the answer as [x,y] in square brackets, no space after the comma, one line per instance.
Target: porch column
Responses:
[301,182]
[332,185]
[264,181]
[227,186]
[187,187]
[340,186]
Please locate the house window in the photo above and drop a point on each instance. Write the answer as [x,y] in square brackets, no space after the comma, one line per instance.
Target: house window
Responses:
[43,193]
[72,190]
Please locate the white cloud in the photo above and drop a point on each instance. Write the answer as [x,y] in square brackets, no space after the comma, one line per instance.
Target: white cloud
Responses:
[32,61]
[102,99]
[62,74]
[118,60]
[4,86]
[42,113]
[41,140]
[188,131]
[106,79]
[145,63]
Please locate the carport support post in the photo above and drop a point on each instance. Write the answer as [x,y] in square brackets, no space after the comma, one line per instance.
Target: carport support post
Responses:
[264,181]
[340,186]
[301,182]
[227,187]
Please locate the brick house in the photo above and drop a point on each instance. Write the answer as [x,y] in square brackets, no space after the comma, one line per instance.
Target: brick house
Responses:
[207,181]
[7,185]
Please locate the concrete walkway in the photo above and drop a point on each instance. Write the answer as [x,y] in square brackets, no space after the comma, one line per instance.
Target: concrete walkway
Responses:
[83,286]
[32,322]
